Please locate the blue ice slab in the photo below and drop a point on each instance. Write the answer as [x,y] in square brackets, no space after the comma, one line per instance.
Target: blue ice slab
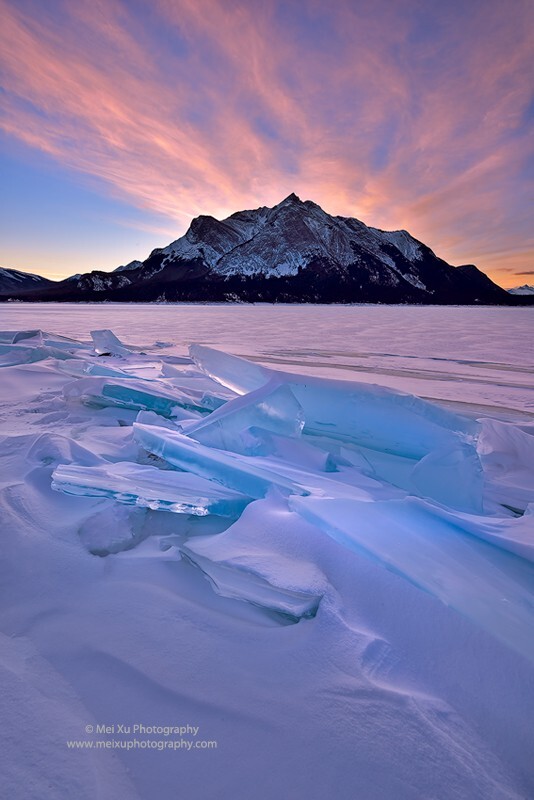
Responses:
[486,584]
[12,355]
[272,408]
[364,414]
[149,487]
[132,393]
[242,475]
[378,418]
[255,441]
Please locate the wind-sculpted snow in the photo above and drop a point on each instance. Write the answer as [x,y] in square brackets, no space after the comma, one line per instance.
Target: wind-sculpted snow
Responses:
[335,559]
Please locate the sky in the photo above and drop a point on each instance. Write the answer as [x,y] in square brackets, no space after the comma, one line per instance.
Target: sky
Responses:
[122,120]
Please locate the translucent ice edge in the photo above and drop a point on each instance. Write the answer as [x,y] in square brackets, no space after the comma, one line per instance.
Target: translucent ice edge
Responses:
[372,416]
[149,487]
[138,395]
[218,465]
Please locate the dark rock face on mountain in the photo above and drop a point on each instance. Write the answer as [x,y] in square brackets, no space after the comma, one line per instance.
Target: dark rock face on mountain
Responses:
[14,281]
[292,253]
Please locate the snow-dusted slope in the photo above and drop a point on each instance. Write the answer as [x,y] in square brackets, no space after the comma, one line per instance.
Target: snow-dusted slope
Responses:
[127,267]
[526,289]
[12,280]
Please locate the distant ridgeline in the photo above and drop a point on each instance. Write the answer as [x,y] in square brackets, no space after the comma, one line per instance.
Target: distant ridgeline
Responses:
[291,253]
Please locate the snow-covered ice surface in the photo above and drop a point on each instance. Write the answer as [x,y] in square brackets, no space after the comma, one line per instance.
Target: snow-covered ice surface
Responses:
[319,557]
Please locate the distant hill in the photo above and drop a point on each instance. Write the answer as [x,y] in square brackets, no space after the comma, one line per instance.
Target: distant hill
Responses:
[14,281]
[524,290]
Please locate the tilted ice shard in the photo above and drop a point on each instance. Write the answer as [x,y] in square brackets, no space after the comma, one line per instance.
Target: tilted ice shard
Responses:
[231,371]
[132,393]
[149,487]
[481,581]
[378,418]
[242,475]
[452,476]
[106,343]
[13,354]
[39,338]
[256,441]
[371,416]
[273,408]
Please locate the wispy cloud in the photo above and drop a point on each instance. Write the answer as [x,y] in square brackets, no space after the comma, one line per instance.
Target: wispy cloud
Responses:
[405,114]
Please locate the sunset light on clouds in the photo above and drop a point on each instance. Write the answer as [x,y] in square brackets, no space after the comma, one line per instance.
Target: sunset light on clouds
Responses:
[142,115]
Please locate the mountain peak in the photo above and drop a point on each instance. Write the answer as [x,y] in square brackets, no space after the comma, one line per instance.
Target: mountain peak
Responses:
[291,198]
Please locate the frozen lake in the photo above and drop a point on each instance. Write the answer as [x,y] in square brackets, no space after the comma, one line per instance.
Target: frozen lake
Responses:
[481,358]
[308,587]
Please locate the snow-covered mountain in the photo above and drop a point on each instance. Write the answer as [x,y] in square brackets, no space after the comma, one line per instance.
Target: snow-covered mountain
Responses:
[127,267]
[522,290]
[293,252]
[12,280]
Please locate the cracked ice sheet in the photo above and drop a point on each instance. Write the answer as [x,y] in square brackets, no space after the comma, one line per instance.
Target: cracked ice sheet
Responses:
[368,415]
[256,475]
[149,487]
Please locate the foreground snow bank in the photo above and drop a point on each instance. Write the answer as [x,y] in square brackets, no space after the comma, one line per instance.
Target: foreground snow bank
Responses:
[331,581]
